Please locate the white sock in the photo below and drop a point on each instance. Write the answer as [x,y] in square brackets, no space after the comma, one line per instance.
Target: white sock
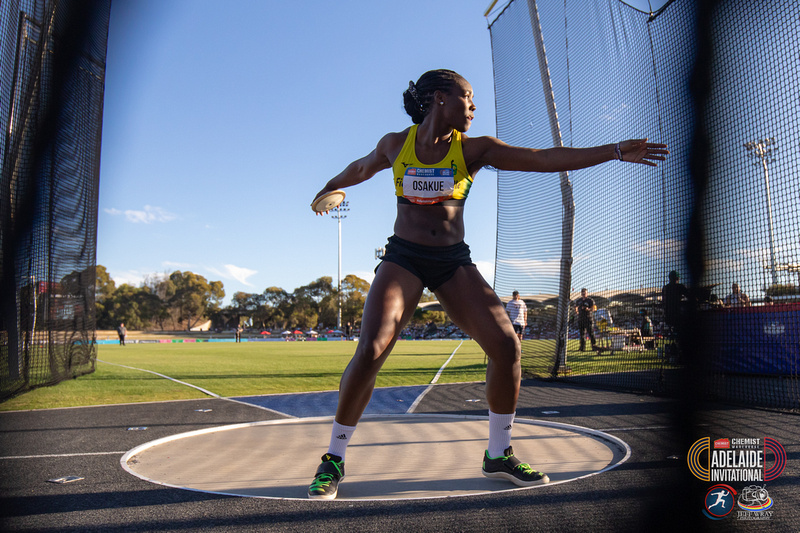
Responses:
[499,433]
[340,438]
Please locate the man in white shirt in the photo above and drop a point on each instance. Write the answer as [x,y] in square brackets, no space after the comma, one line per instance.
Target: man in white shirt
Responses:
[518,313]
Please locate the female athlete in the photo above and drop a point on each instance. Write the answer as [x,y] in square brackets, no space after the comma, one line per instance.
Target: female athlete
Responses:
[433,164]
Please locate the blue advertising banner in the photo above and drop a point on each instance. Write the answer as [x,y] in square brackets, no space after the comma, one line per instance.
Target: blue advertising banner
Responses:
[755,340]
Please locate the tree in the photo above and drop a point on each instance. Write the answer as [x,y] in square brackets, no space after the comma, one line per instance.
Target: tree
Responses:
[304,309]
[328,310]
[354,295]
[137,307]
[243,304]
[193,297]
[128,305]
[306,302]
[104,285]
[421,316]
[104,291]
[316,290]
[275,308]
[158,304]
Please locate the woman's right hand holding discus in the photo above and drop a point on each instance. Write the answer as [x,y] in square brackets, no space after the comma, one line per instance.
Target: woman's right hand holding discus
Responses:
[327,200]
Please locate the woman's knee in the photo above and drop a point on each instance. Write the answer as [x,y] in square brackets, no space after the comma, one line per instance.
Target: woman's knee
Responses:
[370,356]
[505,350]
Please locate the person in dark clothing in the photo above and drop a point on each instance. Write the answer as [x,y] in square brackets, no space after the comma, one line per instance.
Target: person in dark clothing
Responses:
[584,310]
[646,329]
[673,296]
[122,332]
[647,325]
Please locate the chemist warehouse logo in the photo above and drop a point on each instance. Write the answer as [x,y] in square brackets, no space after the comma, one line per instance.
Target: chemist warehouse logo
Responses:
[740,459]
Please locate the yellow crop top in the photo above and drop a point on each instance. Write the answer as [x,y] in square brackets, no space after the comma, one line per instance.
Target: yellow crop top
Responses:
[444,183]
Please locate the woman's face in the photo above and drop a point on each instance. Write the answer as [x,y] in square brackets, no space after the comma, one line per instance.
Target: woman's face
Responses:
[458,106]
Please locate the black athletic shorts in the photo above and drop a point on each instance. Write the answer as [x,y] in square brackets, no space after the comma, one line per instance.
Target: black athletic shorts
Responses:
[433,265]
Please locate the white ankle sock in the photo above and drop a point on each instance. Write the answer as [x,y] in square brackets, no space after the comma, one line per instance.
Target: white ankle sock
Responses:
[340,438]
[499,433]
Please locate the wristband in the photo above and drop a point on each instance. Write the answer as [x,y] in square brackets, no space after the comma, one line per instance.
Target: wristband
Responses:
[618,151]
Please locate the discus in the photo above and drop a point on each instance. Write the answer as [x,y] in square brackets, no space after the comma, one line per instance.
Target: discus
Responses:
[328,201]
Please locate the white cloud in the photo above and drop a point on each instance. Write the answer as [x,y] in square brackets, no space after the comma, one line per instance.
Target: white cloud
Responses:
[133,278]
[670,250]
[486,268]
[234,272]
[532,267]
[149,215]
[714,265]
[613,114]
[764,254]
[179,266]
[112,211]
[368,275]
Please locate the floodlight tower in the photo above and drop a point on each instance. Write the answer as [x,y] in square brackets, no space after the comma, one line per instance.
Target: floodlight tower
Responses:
[338,215]
[762,153]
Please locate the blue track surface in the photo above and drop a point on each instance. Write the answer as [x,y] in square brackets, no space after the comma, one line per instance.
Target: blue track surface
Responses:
[385,401]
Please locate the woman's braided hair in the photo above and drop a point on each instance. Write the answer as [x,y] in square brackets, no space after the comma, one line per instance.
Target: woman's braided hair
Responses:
[417,99]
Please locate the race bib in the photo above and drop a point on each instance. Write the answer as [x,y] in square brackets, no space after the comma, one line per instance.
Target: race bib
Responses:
[427,186]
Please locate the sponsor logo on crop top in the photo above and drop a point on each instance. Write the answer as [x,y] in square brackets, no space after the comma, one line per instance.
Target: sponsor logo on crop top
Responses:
[428,185]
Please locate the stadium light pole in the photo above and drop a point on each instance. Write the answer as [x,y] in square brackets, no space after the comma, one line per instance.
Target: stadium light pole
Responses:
[338,215]
[762,152]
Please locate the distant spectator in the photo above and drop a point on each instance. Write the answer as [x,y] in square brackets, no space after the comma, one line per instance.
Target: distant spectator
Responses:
[348,329]
[768,300]
[122,332]
[584,310]
[737,298]
[673,296]
[518,313]
[647,325]
[238,333]
[430,330]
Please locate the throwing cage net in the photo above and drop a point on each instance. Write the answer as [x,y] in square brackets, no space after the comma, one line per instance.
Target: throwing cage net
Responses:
[52,75]
[722,91]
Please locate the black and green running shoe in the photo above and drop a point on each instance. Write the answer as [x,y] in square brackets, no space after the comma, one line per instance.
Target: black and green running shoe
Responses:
[509,467]
[326,482]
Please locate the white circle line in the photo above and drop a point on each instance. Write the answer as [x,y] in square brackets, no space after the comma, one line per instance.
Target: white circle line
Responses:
[610,439]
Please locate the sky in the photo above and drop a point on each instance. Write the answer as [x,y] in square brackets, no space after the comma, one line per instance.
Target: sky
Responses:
[222,121]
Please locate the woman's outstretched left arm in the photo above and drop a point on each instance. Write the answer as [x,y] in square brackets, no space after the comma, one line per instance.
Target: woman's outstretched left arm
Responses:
[495,153]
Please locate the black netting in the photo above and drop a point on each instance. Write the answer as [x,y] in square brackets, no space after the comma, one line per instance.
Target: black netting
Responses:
[617,73]
[51,102]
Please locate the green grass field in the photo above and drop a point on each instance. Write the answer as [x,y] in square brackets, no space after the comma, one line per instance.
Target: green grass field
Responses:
[244,369]
[253,368]
[591,362]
